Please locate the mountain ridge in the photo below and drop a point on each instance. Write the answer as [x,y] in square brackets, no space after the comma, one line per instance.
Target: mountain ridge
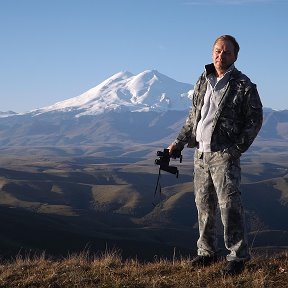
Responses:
[124,91]
[106,114]
[149,90]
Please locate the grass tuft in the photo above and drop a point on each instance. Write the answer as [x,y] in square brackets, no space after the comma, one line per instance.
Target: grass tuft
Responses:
[110,270]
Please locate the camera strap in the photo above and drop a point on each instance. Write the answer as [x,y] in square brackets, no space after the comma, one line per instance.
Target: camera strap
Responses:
[158,187]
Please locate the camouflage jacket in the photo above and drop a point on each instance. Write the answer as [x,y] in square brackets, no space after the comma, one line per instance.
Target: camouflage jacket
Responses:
[236,122]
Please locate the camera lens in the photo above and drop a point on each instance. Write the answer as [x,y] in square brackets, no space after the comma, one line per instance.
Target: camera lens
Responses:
[159,153]
[157,162]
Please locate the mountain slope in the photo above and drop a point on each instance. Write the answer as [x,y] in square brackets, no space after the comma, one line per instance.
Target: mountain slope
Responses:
[106,114]
[147,91]
[7,114]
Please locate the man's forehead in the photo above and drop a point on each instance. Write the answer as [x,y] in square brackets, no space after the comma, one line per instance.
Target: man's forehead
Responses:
[224,45]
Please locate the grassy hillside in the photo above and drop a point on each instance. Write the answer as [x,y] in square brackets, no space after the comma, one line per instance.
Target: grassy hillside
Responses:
[63,204]
[110,270]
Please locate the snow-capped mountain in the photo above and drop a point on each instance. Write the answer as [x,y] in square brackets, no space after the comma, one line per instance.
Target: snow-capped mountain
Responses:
[146,91]
[7,114]
[105,115]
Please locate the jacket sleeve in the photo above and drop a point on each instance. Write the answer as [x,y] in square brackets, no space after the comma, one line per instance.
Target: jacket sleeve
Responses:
[185,135]
[253,115]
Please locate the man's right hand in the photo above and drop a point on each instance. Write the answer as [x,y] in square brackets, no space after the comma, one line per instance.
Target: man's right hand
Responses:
[171,148]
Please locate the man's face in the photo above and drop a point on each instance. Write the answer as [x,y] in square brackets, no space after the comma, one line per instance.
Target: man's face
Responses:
[223,56]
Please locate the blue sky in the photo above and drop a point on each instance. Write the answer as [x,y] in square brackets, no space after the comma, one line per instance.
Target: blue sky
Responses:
[52,50]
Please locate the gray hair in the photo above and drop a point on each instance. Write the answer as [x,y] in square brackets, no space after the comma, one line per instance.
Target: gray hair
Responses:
[232,40]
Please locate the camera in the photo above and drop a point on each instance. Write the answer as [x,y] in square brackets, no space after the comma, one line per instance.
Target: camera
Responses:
[164,160]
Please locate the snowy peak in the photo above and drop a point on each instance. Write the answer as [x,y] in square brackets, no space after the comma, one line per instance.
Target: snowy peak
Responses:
[146,91]
[159,92]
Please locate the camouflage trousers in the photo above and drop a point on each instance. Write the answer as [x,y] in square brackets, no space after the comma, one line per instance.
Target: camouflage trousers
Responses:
[217,178]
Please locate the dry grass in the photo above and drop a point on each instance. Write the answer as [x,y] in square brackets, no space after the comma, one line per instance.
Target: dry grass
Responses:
[110,270]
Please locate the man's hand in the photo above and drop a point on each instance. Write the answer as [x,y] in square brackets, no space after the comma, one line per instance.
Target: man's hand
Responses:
[171,148]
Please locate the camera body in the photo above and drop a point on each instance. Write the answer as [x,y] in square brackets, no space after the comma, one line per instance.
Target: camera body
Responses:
[164,160]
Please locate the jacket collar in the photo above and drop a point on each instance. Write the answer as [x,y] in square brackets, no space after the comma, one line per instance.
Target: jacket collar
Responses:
[210,68]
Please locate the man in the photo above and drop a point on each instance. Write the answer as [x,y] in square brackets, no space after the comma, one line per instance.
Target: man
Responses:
[224,120]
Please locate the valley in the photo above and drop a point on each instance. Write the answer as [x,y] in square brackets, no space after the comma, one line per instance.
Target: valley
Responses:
[102,199]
